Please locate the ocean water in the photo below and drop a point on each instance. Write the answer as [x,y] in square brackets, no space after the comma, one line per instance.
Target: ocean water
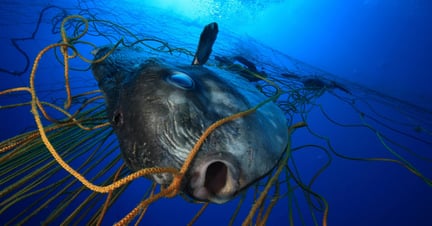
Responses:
[378,52]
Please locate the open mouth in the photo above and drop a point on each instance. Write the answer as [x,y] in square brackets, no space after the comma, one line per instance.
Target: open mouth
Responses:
[215,181]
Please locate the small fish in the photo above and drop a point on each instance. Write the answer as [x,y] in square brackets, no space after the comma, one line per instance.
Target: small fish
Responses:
[242,66]
[314,83]
[249,65]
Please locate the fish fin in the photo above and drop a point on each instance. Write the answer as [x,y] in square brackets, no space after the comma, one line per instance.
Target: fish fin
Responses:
[207,39]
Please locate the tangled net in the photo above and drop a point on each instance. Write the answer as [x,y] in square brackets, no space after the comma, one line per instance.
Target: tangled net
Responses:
[77,136]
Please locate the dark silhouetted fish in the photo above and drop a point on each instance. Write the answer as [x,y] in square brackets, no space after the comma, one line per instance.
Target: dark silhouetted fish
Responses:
[158,110]
[314,83]
[251,66]
[242,66]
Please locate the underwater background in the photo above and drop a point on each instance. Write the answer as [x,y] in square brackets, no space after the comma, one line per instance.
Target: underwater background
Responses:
[380,48]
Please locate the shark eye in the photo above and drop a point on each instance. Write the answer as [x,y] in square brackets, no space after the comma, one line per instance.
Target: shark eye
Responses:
[181,80]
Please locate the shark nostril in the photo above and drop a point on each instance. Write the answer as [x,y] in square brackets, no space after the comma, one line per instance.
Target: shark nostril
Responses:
[216,177]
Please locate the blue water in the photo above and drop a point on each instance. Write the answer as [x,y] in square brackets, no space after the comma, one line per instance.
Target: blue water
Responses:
[367,41]
[381,45]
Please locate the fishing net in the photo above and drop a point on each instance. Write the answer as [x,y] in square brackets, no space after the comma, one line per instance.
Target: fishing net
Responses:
[68,169]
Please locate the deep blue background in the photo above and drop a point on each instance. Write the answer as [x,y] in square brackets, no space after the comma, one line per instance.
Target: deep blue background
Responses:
[382,44]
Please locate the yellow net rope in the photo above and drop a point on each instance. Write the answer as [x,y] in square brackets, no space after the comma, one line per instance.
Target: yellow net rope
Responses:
[68,43]
[88,127]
